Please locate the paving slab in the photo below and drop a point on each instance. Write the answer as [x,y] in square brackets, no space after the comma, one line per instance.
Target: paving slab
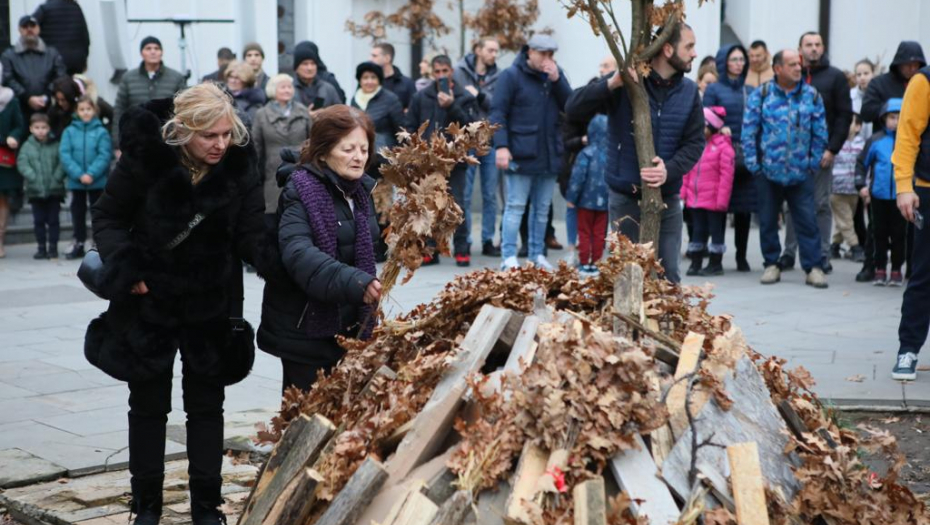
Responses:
[19,468]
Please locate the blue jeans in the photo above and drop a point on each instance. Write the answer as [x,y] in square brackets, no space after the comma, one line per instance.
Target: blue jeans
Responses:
[489,180]
[520,188]
[624,213]
[571,225]
[800,199]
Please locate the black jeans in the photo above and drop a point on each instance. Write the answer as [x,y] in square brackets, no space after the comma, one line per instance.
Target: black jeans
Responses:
[79,206]
[915,317]
[45,221]
[890,230]
[741,224]
[708,225]
[149,405]
[458,179]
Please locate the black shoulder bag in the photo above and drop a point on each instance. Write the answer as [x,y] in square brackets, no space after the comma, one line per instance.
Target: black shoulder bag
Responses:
[92,267]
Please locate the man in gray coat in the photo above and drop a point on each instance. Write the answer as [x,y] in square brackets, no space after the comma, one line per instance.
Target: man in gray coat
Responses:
[151,80]
[477,72]
[30,67]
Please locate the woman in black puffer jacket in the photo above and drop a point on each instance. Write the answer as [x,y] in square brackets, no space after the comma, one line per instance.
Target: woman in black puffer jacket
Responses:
[325,239]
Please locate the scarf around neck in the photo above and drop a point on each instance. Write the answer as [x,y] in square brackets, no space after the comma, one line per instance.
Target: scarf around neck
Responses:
[362,98]
[321,319]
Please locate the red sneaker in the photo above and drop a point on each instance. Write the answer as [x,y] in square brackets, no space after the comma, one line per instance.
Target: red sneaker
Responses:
[430,260]
[462,260]
[896,279]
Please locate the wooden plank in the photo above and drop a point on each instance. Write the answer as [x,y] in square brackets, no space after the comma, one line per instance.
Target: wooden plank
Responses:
[356,495]
[748,486]
[752,417]
[590,502]
[530,468]
[628,296]
[661,443]
[440,487]
[454,510]
[390,493]
[636,473]
[490,506]
[511,330]
[687,363]
[434,421]
[415,509]
[383,371]
[294,505]
[524,348]
[301,443]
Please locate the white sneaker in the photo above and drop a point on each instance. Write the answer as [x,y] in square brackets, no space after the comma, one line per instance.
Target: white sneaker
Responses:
[510,263]
[572,258]
[542,262]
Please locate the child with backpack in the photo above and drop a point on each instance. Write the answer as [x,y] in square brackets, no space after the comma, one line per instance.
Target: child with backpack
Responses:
[875,182]
[845,196]
[86,151]
[44,176]
[706,191]
[587,191]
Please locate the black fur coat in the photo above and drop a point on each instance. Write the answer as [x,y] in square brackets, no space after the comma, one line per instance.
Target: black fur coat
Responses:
[149,199]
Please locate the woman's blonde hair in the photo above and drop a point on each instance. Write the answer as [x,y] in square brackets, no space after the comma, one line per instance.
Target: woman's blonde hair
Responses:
[198,108]
[242,70]
[272,88]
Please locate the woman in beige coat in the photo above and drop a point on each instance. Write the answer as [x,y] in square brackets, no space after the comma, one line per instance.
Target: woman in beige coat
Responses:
[282,123]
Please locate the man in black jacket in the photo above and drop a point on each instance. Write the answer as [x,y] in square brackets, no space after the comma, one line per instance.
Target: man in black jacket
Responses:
[65,29]
[394,79]
[908,60]
[442,103]
[837,104]
[30,67]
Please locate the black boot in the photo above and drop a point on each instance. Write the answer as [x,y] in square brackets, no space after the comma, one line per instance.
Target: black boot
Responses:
[714,267]
[146,500]
[697,259]
[205,502]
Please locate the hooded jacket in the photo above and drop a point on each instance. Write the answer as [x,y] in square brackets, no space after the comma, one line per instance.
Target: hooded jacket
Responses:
[709,184]
[39,164]
[86,148]
[149,199]
[586,187]
[466,75]
[65,28]
[784,133]
[729,93]
[526,105]
[30,72]
[874,167]
[677,129]
[837,105]
[891,84]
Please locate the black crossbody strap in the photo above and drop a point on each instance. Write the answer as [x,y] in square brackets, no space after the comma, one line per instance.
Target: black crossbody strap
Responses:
[186,233]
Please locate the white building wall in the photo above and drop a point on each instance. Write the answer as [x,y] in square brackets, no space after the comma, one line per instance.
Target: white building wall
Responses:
[869,29]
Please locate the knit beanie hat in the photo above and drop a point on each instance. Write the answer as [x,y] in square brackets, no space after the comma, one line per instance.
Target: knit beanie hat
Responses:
[713,116]
[305,51]
[370,67]
[253,46]
[149,40]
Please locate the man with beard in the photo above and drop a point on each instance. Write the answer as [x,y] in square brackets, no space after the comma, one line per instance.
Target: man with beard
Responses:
[477,73]
[678,129]
[30,67]
[837,105]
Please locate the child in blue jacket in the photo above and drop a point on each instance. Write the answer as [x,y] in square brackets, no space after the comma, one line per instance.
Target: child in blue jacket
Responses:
[85,153]
[875,182]
[587,192]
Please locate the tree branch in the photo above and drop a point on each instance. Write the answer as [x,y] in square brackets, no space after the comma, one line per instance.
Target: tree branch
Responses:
[602,24]
[636,40]
[653,49]
[613,18]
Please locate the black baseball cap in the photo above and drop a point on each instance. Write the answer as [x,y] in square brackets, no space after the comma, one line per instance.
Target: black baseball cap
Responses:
[27,20]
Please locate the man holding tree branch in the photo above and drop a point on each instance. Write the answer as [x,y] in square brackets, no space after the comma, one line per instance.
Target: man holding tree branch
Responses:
[678,133]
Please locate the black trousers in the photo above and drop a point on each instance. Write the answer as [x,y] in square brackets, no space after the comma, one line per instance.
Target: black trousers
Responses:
[741,223]
[149,405]
[915,317]
[79,205]
[45,220]
[890,231]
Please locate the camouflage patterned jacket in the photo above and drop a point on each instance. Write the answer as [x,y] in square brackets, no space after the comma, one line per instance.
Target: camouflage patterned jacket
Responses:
[784,133]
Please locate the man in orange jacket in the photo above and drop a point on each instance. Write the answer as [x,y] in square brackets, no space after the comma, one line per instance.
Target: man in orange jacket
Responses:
[911,161]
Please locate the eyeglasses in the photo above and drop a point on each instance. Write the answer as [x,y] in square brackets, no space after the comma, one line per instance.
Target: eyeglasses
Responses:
[736,60]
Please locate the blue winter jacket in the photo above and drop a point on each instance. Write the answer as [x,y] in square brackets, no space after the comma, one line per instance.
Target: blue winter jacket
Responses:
[791,130]
[586,187]
[729,93]
[527,105]
[876,156]
[677,129]
[86,148]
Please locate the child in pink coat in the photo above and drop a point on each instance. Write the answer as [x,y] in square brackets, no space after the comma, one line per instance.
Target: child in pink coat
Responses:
[706,193]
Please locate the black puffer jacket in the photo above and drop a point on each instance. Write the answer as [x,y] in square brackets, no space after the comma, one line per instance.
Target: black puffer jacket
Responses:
[312,273]
[149,199]
[387,113]
[65,29]
[891,84]
[837,105]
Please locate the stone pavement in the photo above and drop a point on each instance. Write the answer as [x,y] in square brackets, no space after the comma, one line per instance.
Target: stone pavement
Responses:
[60,416]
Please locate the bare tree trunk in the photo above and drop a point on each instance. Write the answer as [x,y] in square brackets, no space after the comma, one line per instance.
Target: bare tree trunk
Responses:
[651,205]
[461,28]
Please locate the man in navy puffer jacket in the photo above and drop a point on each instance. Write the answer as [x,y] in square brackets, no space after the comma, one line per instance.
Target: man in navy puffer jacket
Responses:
[678,134]
[526,104]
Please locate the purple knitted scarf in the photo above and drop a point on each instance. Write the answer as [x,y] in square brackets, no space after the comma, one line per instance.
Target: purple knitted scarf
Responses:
[321,319]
